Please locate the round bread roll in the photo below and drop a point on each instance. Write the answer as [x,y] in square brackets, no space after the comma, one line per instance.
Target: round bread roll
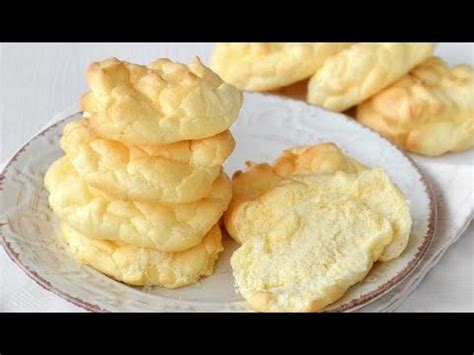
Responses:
[169,228]
[308,260]
[259,178]
[145,267]
[362,70]
[161,103]
[181,172]
[267,66]
[429,111]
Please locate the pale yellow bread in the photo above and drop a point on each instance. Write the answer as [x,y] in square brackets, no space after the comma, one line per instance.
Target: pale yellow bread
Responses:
[375,189]
[181,172]
[267,66]
[371,187]
[362,70]
[162,103]
[146,267]
[259,178]
[169,228]
[429,111]
[309,258]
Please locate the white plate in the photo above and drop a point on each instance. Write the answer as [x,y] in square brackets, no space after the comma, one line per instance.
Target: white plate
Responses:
[267,125]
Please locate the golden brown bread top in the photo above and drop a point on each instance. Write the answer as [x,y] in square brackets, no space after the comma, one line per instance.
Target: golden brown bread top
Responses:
[161,103]
[429,111]
[176,173]
[267,66]
[360,71]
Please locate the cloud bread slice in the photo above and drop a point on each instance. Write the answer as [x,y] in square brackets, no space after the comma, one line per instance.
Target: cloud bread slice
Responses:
[161,103]
[176,173]
[169,228]
[259,178]
[371,187]
[310,257]
[145,267]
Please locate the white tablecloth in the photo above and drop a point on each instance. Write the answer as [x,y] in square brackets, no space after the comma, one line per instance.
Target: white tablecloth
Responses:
[42,78]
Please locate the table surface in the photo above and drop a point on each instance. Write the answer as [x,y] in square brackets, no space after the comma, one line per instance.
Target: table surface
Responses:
[38,80]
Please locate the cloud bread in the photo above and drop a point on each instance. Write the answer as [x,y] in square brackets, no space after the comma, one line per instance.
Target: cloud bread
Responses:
[360,71]
[309,259]
[169,228]
[429,111]
[375,189]
[259,178]
[162,103]
[146,267]
[181,172]
[372,187]
[267,66]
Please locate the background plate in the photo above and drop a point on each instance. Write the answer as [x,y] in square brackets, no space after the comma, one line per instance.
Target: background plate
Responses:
[267,125]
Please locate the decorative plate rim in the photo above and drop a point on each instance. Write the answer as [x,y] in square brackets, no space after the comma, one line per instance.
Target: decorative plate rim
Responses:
[351,306]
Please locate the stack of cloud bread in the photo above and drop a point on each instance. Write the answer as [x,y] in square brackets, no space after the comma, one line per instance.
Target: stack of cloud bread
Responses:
[141,189]
[311,225]
[398,89]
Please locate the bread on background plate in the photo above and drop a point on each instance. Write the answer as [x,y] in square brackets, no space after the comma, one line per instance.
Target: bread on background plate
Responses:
[268,66]
[429,111]
[361,71]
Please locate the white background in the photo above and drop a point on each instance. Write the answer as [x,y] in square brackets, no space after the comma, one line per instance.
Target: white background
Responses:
[38,80]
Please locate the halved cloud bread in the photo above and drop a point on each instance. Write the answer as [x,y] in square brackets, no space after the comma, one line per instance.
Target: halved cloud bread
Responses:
[310,257]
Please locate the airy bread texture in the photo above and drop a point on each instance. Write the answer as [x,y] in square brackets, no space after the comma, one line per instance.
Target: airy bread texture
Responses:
[162,103]
[429,111]
[375,189]
[181,172]
[371,187]
[360,71]
[267,66]
[146,267]
[169,228]
[259,178]
[308,260]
